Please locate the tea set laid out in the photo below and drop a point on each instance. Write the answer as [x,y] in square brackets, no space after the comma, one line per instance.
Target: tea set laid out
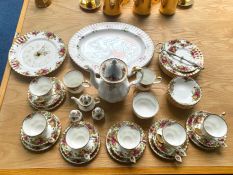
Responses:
[112,52]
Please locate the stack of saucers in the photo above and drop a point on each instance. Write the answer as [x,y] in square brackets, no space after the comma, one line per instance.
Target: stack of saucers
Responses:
[80,143]
[46,93]
[168,140]
[206,130]
[40,131]
[126,142]
[180,58]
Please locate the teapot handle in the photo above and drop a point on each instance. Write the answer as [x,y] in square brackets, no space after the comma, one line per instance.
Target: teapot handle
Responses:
[135,70]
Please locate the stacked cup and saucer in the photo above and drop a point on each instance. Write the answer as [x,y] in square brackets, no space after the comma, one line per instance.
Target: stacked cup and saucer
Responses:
[40,131]
[80,142]
[207,130]
[46,93]
[168,139]
[126,142]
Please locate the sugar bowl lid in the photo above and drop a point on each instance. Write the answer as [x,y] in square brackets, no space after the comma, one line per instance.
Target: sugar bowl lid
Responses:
[113,70]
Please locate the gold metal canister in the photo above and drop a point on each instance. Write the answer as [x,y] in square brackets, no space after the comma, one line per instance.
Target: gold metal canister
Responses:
[42,3]
[142,7]
[112,7]
[155,1]
[168,7]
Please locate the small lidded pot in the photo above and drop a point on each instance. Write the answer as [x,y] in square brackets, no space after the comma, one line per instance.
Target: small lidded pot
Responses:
[184,92]
[75,116]
[98,113]
[86,102]
[74,82]
[148,79]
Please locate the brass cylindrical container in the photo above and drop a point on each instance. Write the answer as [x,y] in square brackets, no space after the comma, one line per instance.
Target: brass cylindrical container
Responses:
[155,1]
[168,7]
[112,7]
[142,7]
[42,3]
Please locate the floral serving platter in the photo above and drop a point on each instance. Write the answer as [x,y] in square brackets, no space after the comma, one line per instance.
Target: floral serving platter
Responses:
[174,66]
[79,158]
[98,42]
[193,125]
[37,53]
[113,146]
[42,144]
[184,91]
[157,147]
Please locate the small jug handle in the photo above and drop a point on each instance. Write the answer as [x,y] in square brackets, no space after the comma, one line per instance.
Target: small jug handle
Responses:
[135,70]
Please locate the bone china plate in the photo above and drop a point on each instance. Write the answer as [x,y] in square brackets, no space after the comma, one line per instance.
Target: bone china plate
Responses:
[98,42]
[184,91]
[37,53]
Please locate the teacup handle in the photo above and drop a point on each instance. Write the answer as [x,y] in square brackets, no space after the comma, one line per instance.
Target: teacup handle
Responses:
[181,151]
[158,80]
[97,100]
[132,159]
[222,144]
[87,156]
[86,84]
[178,158]
[223,114]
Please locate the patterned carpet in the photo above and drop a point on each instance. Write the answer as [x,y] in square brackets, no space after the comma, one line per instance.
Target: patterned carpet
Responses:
[9,15]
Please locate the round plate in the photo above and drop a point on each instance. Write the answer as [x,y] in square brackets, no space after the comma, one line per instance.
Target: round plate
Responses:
[98,42]
[184,91]
[174,66]
[185,3]
[37,53]
[38,145]
[194,122]
[159,148]
[66,151]
[58,95]
[113,146]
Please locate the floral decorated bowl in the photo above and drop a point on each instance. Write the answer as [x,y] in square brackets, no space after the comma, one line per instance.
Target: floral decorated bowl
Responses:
[184,92]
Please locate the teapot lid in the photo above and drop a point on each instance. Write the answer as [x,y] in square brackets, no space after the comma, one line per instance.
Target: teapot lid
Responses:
[113,70]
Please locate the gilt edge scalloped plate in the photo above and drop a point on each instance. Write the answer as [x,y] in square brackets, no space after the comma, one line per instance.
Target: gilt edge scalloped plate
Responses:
[37,53]
[98,42]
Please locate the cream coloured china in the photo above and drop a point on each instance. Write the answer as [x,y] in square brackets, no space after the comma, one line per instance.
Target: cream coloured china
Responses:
[96,43]
[113,85]
[145,105]
[126,147]
[174,66]
[98,113]
[57,96]
[86,102]
[41,88]
[75,116]
[148,80]
[194,128]
[167,148]
[37,53]
[40,131]
[184,92]
[80,143]
[74,81]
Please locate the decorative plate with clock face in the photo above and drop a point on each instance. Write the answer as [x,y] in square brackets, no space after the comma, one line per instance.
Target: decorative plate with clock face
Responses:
[37,53]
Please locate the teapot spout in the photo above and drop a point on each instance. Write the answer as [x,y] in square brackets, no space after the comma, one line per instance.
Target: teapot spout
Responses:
[93,79]
[76,100]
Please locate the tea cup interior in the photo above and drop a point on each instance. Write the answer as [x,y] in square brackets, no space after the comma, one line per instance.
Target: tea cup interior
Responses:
[34,125]
[128,137]
[145,105]
[73,79]
[215,126]
[174,134]
[40,86]
[77,137]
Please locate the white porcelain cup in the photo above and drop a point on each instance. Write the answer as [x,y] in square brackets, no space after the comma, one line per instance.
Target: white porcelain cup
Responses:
[128,138]
[78,139]
[214,127]
[35,125]
[148,79]
[41,87]
[74,81]
[174,136]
